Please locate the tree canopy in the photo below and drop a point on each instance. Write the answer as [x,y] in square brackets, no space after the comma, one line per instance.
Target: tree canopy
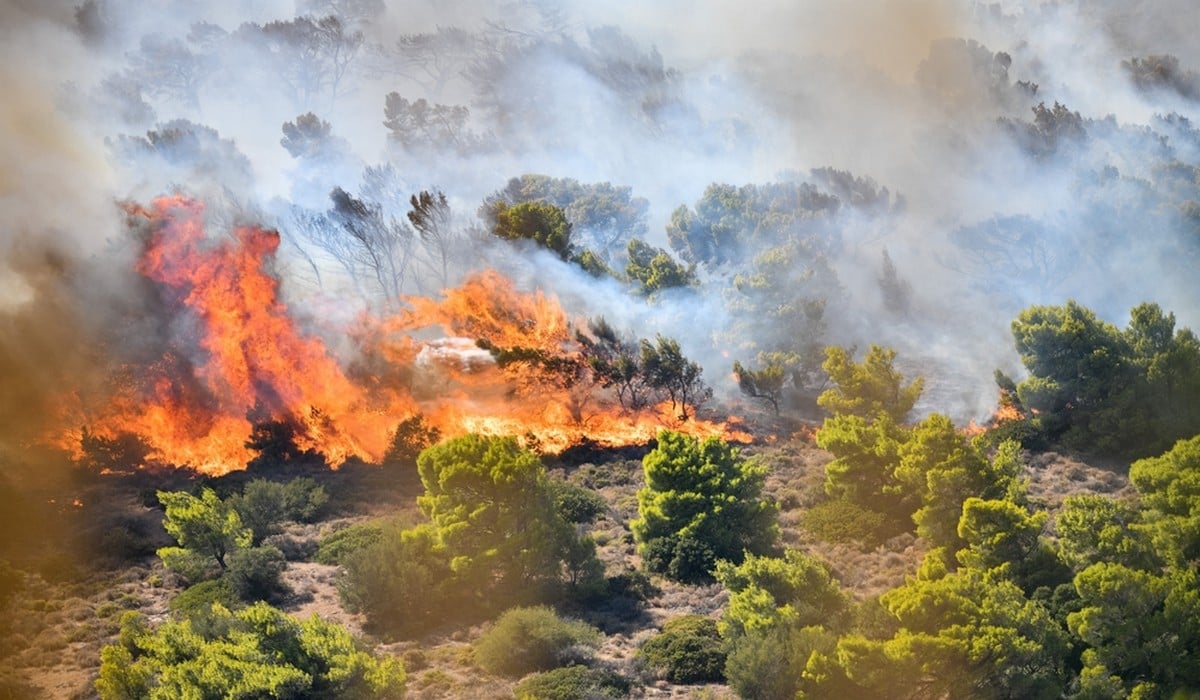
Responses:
[701,503]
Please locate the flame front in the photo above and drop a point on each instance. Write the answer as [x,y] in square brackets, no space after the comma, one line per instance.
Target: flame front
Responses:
[237,359]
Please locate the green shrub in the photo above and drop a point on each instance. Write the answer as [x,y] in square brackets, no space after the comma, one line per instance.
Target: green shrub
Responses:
[576,504]
[843,521]
[403,582]
[688,650]
[573,683]
[339,545]
[533,639]
[254,573]
[769,664]
[197,600]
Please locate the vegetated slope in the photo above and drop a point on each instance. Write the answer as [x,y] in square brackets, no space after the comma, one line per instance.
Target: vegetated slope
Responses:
[65,611]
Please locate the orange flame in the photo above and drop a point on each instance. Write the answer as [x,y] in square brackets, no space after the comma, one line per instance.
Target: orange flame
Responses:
[245,362]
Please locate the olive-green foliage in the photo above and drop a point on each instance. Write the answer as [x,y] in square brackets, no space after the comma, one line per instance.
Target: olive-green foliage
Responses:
[766,592]
[971,633]
[1170,489]
[1093,528]
[573,683]
[688,650]
[786,662]
[941,468]
[1103,390]
[576,504]
[701,502]
[206,528]
[340,544]
[654,270]
[665,369]
[1141,627]
[534,639]
[866,454]
[868,388]
[602,215]
[842,521]
[493,512]
[541,223]
[254,573]
[263,505]
[256,652]
[402,582]
[197,600]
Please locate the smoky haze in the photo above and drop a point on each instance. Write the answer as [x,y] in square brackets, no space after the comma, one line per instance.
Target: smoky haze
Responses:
[982,203]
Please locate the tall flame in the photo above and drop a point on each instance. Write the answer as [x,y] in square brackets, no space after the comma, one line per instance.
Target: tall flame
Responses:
[242,361]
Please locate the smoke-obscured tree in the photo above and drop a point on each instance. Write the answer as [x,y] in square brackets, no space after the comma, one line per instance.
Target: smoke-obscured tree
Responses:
[514,83]
[603,216]
[420,127]
[543,224]
[311,56]
[196,150]
[962,74]
[667,370]
[766,383]
[1007,255]
[777,306]
[432,218]
[206,528]
[167,68]
[616,363]
[433,59]
[1162,72]
[896,291]
[729,222]
[1052,128]
[373,247]
[254,652]
[308,136]
[702,503]
[358,14]
[654,270]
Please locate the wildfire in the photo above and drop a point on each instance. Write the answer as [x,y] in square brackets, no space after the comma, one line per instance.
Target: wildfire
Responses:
[236,360]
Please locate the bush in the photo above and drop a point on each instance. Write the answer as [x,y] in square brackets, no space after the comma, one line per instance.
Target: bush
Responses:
[770,664]
[197,600]
[402,583]
[535,638]
[573,683]
[576,504]
[411,437]
[339,545]
[843,521]
[688,650]
[254,573]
